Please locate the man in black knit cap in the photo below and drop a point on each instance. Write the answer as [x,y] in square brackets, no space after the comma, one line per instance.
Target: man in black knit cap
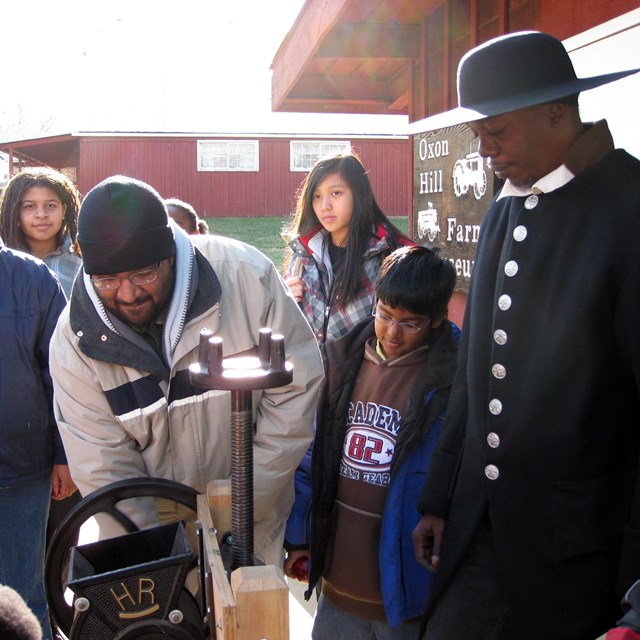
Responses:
[121,352]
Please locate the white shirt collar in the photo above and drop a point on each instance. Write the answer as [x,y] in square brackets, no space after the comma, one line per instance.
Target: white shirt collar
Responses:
[552,181]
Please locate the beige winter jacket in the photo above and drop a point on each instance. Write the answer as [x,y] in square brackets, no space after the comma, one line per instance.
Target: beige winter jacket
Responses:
[123,413]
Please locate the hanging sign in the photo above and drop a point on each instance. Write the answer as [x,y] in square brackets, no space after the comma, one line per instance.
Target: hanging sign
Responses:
[452,190]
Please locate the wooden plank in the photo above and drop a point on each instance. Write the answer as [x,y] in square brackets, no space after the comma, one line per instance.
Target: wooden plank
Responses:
[262,602]
[223,617]
[219,499]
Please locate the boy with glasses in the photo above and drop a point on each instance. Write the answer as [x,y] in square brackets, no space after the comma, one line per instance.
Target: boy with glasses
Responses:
[379,416]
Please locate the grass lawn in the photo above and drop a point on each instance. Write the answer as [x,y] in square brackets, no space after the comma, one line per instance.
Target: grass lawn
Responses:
[264,233]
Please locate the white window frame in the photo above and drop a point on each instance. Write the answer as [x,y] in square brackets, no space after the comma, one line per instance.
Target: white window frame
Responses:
[314,150]
[231,151]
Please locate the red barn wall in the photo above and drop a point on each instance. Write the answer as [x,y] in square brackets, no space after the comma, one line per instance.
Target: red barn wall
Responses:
[170,165]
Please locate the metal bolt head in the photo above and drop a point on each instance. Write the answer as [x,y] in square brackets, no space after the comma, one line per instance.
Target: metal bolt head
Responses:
[81,604]
[176,616]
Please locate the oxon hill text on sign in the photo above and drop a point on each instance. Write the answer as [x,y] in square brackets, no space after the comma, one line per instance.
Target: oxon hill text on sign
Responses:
[452,189]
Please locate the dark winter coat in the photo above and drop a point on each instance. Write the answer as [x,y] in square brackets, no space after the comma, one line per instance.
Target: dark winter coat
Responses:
[544,416]
[405,584]
[31,300]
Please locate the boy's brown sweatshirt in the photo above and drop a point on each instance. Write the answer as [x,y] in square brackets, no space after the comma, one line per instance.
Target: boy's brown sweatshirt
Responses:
[352,577]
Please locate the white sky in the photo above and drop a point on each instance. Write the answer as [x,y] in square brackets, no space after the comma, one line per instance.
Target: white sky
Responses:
[153,65]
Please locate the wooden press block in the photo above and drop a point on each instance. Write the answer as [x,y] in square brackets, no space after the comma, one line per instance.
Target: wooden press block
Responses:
[262,603]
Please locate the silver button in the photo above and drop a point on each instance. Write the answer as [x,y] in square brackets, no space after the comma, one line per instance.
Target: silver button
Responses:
[531,202]
[103,338]
[495,406]
[493,439]
[498,371]
[80,334]
[500,336]
[520,233]
[491,471]
[504,302]
[511,268]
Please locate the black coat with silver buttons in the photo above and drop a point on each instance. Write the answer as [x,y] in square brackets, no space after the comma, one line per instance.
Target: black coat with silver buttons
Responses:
[543,426]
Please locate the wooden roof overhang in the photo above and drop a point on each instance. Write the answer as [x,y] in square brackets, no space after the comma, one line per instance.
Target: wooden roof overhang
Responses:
[399,57]
[349,56]
[56,151]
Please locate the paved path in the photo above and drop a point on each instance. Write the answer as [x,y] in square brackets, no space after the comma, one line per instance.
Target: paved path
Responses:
[300,611]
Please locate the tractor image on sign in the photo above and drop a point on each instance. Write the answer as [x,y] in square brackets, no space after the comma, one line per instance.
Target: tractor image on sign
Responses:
[428,223]
[469,172]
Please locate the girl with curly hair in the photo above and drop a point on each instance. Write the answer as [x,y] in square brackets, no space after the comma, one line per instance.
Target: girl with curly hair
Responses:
[39,215]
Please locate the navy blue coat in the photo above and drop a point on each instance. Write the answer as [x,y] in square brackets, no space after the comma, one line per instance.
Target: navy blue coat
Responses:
[31,300]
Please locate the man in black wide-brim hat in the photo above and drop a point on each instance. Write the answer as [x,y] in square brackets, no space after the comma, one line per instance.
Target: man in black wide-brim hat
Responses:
[531,507]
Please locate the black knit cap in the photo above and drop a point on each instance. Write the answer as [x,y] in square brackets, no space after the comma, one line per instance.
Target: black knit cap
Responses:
[123,225]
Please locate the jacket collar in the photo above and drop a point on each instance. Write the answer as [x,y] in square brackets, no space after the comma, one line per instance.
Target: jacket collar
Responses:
[314,240]
[440,366]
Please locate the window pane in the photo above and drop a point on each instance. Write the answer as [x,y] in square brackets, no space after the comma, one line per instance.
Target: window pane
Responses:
[227,156]
[305,154]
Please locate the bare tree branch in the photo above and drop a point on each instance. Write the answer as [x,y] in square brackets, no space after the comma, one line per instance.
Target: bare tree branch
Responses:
[20,119]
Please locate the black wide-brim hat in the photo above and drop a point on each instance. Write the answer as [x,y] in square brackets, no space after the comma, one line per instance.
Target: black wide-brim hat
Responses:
[512,72]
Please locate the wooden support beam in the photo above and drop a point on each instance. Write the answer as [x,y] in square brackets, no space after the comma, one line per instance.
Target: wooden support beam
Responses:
[503,16]
[254,604]
[223,620]
[219,499]
[330,88]
[398,89]
[474,19]
[372,41]
[312,25]
[401,104]
[308,105]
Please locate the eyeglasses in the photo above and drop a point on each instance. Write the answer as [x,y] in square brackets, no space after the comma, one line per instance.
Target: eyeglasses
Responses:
[407,327]
[146,276]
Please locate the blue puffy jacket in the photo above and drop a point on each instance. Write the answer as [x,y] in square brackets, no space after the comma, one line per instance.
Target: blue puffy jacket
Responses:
[31,300]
